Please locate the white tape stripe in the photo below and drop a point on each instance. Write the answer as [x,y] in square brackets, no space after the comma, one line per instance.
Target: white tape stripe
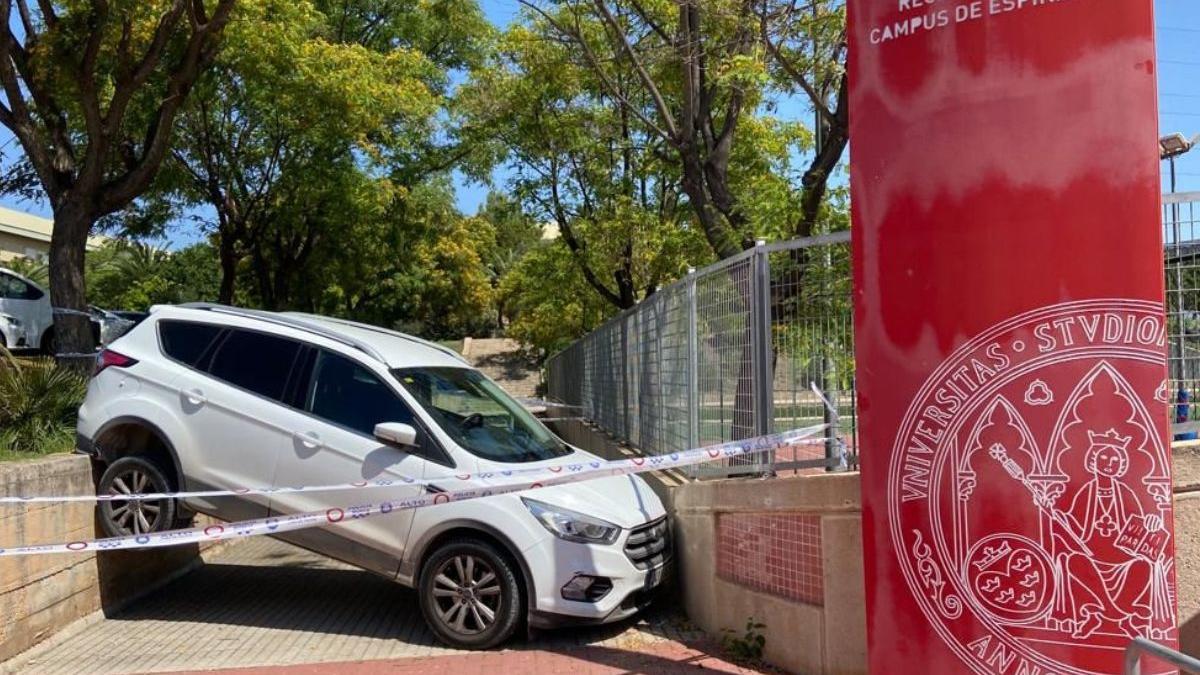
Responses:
[518,475]
[556,476]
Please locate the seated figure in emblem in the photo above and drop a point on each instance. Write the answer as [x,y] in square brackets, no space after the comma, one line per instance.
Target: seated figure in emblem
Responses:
[1107,576]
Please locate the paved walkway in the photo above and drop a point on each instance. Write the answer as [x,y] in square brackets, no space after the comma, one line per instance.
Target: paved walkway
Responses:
[669,657]
[263,603]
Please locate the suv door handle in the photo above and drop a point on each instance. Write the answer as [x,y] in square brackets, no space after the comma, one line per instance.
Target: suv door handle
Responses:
[195,397]
[308,439]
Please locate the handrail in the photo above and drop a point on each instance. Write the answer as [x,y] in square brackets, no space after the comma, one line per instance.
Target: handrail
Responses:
[1140,647]
[1181,197]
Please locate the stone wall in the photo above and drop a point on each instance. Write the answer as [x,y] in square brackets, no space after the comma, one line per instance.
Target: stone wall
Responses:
[41,594]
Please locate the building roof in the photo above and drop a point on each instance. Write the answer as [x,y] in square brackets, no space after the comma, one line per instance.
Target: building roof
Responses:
[35,228]
[25,225]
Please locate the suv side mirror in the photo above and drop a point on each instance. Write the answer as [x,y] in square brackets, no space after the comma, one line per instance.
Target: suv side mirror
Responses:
[396,433]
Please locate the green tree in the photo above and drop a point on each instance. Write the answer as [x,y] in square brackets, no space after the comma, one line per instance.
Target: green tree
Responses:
[808,50]
[550,301]
[134,275]
[416,264]
[583,163]
[515,234]
[696,75]
[91,93]
[34,269]
[302,99]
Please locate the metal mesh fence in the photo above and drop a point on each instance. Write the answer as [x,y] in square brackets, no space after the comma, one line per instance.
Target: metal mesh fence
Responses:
[1181,257]
[731,351]
[693,365]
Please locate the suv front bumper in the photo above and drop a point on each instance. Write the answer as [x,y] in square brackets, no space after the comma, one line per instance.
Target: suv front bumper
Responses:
[552,563]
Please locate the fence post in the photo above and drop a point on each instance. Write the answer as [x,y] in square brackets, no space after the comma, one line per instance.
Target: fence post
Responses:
[763,353]
[835,458]
[624,370]
[693,367]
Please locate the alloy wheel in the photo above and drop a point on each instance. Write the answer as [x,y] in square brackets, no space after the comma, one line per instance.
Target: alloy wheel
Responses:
[466,593]
[134,516]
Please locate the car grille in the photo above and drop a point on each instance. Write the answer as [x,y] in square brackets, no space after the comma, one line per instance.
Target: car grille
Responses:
[649,545]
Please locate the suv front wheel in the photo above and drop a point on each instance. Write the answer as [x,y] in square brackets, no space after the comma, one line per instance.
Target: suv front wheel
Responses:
[125,517]
[469,594]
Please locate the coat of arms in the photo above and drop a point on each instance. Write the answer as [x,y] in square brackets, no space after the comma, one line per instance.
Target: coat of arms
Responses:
[1029,493]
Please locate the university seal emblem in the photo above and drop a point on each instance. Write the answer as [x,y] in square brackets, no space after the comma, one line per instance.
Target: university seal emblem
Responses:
[1029,494]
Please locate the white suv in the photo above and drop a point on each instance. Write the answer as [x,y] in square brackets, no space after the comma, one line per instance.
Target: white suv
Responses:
[198,397]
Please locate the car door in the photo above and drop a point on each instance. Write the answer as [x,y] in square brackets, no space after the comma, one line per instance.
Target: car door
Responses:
[340,404]
[233,401]
[28,303]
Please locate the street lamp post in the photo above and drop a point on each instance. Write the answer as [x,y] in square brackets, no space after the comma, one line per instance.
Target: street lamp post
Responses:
[1169,148]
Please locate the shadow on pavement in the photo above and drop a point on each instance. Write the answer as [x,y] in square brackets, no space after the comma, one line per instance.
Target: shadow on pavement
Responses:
[308,595]
[298,597]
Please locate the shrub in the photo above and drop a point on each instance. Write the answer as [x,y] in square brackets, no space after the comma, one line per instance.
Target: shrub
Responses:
[38,404]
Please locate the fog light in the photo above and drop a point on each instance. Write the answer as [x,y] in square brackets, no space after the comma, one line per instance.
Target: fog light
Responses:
[586,588]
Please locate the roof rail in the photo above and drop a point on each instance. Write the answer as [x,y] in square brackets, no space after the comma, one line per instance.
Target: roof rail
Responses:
[382,331]
[289,320]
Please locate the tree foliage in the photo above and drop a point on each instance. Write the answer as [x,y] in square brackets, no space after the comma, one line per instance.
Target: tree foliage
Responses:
[91,92]
[308,145]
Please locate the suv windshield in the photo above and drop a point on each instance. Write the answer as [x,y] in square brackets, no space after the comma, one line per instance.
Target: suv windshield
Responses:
[479,416]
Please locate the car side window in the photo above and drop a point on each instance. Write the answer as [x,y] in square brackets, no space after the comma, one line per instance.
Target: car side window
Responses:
[256,362]
[347,394]
[12,288]
[186,341]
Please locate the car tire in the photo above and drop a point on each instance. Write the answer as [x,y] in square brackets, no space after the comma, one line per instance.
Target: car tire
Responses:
[123,518]
[469,594]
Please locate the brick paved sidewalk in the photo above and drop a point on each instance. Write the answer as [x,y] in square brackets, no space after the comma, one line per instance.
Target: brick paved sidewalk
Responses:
[668,658]
[262,603]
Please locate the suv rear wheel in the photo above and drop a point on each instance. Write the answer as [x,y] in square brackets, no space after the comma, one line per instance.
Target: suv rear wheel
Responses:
[125,517]
[469,594]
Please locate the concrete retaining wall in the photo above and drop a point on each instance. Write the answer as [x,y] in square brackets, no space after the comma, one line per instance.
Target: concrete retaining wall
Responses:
[41,594]
[787,552]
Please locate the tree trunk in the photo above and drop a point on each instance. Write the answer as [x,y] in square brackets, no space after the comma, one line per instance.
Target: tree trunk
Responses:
[227,252]
[68,245]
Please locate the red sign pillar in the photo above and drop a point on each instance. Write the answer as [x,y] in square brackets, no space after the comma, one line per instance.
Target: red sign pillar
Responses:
[1010,334]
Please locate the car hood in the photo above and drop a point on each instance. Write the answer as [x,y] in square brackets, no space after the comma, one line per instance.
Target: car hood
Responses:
[627,501]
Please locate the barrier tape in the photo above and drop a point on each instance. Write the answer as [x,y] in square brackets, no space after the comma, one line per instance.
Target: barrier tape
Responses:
[554,475]
[399,481]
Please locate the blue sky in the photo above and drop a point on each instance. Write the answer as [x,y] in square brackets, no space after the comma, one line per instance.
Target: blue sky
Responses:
[1178,33]
[1179,81]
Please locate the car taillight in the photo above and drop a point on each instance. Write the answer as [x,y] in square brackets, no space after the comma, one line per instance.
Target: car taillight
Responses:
[107,358]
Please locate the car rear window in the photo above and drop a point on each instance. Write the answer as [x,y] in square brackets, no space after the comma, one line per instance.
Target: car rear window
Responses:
[256,362]
[185,341]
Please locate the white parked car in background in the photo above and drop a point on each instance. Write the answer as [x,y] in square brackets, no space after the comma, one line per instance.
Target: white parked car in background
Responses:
[203,396]
[26,319]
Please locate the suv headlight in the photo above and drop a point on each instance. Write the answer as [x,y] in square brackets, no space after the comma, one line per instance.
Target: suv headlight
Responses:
[572,525]
[12,321]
